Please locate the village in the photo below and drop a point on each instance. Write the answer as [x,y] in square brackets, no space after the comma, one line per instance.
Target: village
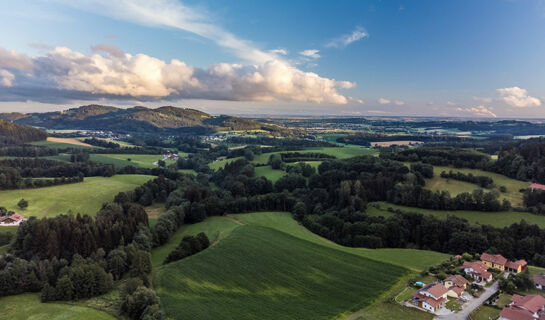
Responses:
[469,282]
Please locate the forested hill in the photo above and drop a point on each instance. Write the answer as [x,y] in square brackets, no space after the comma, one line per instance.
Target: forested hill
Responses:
[139,119]
[19,133]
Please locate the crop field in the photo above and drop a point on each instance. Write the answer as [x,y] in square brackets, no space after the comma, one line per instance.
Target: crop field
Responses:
[136,160]
[61,143]
[28,306]
[84,197]
[496,219]
[269,173]
[267,264]
[456,187]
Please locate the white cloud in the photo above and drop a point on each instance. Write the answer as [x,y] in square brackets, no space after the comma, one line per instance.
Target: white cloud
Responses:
[13,60]
[310,53]
[399,102]
[518,97]
[6,78]
[279,51]
[143,76]
[346,39]
[384,101]
[356,100]
[478,111]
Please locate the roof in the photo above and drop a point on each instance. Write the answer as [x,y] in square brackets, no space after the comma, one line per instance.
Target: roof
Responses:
[15,217]
[458,280]
[516,264]
[435,289]
[479,267]
[457,290]
[537,186]
[532,302]
[513,313]
[539,279]
[434,303]
[494,258]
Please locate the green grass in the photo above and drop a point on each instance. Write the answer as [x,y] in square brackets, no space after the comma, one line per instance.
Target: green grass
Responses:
[267,264]
[485,312]
[269,173]
[456,187]
[84,197]
[496,219]
[188,171]
[28,306]
[58,145]
[137,160]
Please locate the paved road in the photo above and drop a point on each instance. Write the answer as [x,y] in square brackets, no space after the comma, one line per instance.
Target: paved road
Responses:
[471,305]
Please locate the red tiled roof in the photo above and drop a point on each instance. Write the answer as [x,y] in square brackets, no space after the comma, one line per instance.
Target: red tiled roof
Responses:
[539,279]
[494,258]
[434,303]
[513,313]
[532,302]
[457,290]
[516,264]
[458,280]
[537,186]
[437,290]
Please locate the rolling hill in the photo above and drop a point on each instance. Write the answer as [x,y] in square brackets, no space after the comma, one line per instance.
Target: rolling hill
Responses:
[140,119]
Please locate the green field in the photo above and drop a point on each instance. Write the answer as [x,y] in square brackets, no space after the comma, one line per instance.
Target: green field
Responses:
[496,219]
[123,144]
[456,187]
[137,160]
[266,264]
[84,197]
[58,145]
[28,306]
[269,173]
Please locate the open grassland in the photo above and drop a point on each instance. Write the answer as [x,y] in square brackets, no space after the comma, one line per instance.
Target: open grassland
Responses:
[136,160]
[84,197]
[266,265]
[269,173]
[455,187]
[28,306]
[61,143]
[496,219]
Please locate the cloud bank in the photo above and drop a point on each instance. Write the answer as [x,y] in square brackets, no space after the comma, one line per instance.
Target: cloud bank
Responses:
[518,97]
[113,73]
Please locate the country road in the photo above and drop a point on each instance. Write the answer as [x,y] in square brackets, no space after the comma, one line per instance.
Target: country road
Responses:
[471,305]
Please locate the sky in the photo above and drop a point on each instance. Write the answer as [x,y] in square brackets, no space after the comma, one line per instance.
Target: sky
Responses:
[482,59]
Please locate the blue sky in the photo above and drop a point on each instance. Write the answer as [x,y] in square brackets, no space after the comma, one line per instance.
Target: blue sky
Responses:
[445,58]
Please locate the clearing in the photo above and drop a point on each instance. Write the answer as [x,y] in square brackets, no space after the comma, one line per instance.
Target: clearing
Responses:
[83,197]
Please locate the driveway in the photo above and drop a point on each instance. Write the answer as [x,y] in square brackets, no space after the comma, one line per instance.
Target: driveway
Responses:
[471,305]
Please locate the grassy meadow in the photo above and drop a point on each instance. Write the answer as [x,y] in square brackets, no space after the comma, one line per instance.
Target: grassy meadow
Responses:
[136,160]
[496,219]
[267,264]
[28,306]
[61,143]
[269,173]
[84,197]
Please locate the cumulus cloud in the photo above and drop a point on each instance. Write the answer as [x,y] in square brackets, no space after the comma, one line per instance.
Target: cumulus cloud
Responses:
[6,78]
[310,53]
[114,73]
[384,101]
[346,39]
[13,60]
[518,97]
[478,111]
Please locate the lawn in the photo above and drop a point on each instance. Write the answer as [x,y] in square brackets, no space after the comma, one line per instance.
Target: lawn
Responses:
[486,312]
[456,187]
[84,197]
[496,219]
[269,173]
[28,306]
[136,160]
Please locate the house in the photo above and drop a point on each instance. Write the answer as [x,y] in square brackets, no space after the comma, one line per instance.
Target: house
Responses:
[432,297]
[539,281]
[530,307]
[13,220]
[455,285]
[499,262]
[537,186]
[477,271]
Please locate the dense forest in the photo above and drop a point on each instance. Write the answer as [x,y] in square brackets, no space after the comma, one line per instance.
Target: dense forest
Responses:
[19,133]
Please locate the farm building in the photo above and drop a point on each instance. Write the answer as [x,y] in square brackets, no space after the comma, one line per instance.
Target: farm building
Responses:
[530,307]
[432,297]
[13,220]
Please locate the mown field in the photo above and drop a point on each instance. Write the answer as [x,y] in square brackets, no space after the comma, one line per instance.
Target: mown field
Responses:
[61,143]
[136,160]
[496,219]
[28,306]
[84,197]
[267,266]
[455,187]
[269,173]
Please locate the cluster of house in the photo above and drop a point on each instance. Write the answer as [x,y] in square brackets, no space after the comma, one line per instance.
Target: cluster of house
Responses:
[433,296]
[171,156]
[530,307]
[13,220]
[479,270]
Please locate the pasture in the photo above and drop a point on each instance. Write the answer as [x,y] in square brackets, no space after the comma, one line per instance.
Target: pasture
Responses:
[269,173]
[136,160]
[456,187]
[28,306]
[84,197]
[496,219]
[266,264]
[61,143]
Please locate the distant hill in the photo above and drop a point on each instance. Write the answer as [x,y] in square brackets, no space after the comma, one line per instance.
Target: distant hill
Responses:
[12,132]
[141,119]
